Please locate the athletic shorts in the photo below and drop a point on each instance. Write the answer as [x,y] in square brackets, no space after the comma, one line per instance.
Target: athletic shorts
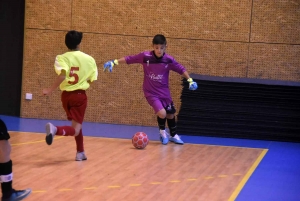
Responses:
[161,103]
[74,104]
[4,135]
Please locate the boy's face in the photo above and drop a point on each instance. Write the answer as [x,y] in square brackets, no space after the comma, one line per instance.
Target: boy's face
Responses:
[159,50]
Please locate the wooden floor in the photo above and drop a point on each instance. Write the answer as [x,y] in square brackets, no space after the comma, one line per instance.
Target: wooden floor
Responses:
[116,171]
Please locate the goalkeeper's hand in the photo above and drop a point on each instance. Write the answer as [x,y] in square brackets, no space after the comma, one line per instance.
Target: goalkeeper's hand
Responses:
[192,85]
[110,64]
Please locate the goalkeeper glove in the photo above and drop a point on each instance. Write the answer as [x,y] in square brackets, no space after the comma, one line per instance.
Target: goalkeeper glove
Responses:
[192,85]
[110,64]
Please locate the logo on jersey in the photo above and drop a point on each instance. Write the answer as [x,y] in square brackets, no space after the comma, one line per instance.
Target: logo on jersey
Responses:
[155,78]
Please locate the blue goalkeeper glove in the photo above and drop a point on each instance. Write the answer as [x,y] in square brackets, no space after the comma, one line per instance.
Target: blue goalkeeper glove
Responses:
[110,64]
[192,85]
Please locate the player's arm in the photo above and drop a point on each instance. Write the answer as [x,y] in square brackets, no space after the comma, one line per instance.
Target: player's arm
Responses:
[121,61]
[192,85]
[94,74]
[110,64]
[186,75]
[132,59]
[56,83]
[181,70]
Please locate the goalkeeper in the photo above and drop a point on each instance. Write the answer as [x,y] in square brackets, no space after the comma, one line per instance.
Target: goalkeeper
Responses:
[157,65]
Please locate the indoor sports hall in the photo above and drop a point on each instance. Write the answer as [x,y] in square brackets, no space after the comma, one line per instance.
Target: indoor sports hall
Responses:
[204,168]
[240,127]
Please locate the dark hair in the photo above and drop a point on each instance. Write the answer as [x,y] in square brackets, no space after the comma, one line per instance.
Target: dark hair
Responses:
[72,39]
[159,39]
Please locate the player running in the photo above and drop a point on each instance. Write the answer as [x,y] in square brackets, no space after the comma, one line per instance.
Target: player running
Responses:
[76,70]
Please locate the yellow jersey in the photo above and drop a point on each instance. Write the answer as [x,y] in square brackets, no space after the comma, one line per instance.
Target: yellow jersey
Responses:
[79,67]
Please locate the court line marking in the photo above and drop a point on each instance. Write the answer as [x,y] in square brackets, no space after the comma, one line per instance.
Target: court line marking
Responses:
[39,191]
[33,142]
[65,189]
[247,176]
[133,185]
[233,195]
[114,186]
[155,183]
[110,138]
[90,188]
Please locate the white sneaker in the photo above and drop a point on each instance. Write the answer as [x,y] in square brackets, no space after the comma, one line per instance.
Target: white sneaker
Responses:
[164,137]
[176,139]
[50,131]
[80,156]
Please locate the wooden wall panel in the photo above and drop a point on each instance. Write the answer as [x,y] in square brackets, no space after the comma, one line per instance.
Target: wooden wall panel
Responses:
[207,37]
[276,22]
[46,14]
[179,19]
[117,97]
[40,49]
[275,62]
[207,58]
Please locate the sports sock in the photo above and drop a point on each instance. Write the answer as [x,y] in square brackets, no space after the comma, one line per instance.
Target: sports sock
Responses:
[6,187]
[161,123]
[65,130]
[79,142]
[172,126]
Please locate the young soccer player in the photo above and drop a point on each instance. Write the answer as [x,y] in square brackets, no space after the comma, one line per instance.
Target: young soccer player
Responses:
[6,175]
[76,70]
[156,65]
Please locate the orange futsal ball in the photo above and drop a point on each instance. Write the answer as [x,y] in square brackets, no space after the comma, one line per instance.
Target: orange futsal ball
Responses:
[140,140]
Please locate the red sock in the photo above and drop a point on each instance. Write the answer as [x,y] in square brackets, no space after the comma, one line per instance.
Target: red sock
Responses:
[79,142]
[65,130]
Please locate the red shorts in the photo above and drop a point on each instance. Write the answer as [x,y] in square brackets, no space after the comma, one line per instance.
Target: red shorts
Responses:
[74,103]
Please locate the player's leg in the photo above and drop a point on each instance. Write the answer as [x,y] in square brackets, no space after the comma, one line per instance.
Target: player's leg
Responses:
[6,174]
[159,110]
[161,120]
[80,154]
[69,102]
[170,109]
[77,111]
[5,169]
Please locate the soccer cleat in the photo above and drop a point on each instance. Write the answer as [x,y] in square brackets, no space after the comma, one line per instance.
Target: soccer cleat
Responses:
[80,156]
[164,137]
[50,131]
[176,139]
[17,195]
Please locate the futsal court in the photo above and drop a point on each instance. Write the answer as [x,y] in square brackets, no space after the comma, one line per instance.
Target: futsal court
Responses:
[201,169]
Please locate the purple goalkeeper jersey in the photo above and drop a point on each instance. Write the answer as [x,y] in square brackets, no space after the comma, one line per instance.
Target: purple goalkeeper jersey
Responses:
[156,72]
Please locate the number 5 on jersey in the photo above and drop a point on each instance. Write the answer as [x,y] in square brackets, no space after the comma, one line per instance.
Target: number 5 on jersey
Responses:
[73,74]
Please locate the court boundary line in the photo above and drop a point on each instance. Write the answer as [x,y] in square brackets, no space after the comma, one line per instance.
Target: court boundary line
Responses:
[242,183]
[32,142]
[233,195]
